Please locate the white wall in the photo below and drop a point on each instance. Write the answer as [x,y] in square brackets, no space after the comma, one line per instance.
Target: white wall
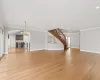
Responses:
[1,41]
[12,41]
[37,40]
[1,14]
[90,40]
[55,46]
[75,39]
[1,25]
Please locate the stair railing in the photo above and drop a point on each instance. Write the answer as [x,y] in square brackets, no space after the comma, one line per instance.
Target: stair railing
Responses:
[61,34]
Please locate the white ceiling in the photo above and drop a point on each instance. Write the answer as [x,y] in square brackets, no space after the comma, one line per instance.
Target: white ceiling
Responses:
[48,14]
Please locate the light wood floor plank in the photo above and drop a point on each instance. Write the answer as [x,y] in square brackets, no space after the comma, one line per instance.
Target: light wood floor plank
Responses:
[50,65]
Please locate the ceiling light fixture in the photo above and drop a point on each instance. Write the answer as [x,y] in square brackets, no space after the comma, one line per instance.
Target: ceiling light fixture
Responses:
[97,7]
[21,32]
[68,28]
[25,32]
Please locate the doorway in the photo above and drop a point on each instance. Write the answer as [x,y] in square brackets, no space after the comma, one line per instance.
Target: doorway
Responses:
[17,42]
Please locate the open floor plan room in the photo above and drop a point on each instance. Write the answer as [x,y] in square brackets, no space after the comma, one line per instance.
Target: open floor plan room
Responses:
[49,39]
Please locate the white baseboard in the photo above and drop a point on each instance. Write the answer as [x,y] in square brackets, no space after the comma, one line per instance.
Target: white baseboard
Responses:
[75,47]
[90,51]
[56,49]
[5,53]
[62,48]
[37,49]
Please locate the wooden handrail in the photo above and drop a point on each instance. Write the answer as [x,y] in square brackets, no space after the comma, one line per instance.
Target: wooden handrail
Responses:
[62,33]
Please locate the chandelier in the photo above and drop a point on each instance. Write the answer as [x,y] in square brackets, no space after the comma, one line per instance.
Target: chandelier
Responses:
[25,31]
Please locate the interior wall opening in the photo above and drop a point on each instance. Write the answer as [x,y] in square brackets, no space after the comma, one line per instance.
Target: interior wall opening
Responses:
[18,41]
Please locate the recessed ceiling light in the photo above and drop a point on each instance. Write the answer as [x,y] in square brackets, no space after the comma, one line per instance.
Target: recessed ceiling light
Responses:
[62,26]
[21,32]
[97,7]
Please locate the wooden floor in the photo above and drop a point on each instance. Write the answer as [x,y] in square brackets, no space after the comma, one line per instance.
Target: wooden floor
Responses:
[50,65]
[16,50]
[1,56]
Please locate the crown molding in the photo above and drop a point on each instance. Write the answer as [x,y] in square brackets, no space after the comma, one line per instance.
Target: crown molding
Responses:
[21,27]
[90,29]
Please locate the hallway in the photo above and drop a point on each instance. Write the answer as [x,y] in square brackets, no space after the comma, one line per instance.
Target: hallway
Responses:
[50,65]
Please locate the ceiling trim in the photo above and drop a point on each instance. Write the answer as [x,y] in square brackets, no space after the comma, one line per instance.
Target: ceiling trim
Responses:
[90,29]
[21,27]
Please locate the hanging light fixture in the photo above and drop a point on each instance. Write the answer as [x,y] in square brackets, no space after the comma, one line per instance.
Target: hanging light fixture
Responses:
[25,32]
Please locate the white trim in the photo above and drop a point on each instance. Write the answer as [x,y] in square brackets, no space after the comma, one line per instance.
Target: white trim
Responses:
[71,32]
[90,51]
[46,48]
[90,29]
[56,49]
[22,28]
[37,49]
[5,53]
[75,47]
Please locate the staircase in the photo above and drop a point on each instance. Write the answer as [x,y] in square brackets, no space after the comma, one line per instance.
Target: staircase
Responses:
[60,36]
